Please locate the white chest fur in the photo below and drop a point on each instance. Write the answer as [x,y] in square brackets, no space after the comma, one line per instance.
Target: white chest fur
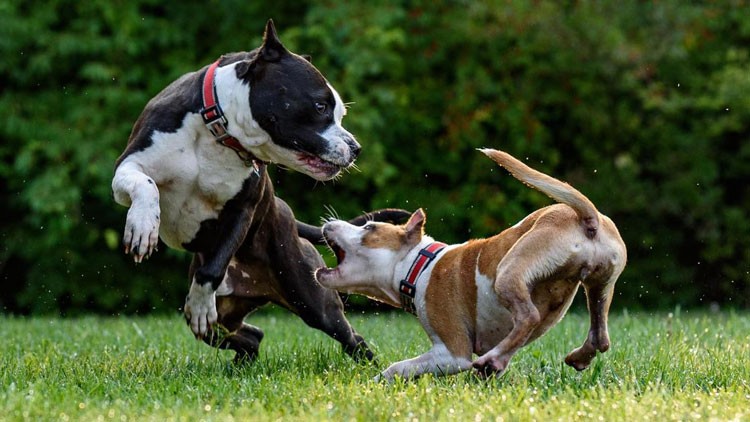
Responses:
[195,177]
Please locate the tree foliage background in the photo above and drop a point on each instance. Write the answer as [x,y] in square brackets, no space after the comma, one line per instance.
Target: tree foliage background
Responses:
[643,106]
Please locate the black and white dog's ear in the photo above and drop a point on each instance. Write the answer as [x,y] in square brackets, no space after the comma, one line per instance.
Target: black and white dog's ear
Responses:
[307,57]
[272,48]
[270,51]
[243,68]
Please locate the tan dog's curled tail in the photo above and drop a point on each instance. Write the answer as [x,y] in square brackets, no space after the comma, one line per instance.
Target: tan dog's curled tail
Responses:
[555,189]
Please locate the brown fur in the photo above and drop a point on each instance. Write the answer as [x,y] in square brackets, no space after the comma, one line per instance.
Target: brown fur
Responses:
[381,237]
[451,292]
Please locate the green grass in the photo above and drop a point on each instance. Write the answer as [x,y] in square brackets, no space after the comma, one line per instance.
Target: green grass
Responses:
[688,366]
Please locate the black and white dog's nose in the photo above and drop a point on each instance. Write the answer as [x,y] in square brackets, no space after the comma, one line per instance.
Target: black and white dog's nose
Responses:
[354,147]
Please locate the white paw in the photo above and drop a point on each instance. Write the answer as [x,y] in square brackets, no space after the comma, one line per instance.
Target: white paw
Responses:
[142,230]
[387,376]
[382,377]
[200,308]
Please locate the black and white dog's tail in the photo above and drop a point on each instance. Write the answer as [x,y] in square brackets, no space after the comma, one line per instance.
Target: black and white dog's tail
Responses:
[388,215]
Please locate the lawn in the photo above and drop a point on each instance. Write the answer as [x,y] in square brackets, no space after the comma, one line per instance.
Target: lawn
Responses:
[662,366]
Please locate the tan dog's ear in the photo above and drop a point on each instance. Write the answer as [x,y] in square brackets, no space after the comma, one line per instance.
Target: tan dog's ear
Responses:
[415,227]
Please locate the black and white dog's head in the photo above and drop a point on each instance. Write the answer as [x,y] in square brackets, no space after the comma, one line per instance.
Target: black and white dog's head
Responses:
[301,112]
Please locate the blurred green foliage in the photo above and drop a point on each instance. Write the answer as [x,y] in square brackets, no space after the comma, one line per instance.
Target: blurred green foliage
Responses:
[643,106]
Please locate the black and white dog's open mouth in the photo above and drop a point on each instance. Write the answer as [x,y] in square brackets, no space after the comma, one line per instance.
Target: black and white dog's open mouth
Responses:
[318,164]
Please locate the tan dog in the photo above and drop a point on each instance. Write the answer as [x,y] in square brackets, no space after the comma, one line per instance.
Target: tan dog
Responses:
[492,296]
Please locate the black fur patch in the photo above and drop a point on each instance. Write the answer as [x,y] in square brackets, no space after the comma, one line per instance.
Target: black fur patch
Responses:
[291,101]
[209,236]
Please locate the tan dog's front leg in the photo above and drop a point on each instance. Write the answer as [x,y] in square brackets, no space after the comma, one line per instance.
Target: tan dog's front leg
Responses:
[438,361]
[598,299]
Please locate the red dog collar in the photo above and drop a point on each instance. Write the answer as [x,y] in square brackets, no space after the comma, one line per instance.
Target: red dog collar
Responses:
[408,285]
[213,117]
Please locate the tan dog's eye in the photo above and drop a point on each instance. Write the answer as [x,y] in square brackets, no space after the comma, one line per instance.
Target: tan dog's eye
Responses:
[369,227]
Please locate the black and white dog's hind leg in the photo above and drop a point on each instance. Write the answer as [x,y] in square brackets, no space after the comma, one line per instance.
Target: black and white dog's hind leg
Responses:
[231,331]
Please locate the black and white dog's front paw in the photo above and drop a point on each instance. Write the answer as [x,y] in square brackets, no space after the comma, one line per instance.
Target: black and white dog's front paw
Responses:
[141,231]
[200,308]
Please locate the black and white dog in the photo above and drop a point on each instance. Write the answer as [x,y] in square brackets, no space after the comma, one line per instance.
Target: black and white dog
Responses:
[193,173]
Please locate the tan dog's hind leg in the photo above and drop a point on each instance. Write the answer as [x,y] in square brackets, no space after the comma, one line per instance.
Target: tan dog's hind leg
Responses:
[525,320]
[598,299]
[438,361]
[534,257]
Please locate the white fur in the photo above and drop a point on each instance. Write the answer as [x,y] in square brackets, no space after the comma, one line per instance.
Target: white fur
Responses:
[493,320]
[234,97]
[200,308]
[438,360]
[374,267]
[339,110]
[520,222]
[194,180]
[133,188]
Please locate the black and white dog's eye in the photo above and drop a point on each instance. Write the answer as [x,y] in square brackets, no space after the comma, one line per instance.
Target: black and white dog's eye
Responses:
[320,107]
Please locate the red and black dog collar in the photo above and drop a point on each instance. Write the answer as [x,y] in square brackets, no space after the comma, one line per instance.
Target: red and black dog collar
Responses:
[408,285]
[213,117]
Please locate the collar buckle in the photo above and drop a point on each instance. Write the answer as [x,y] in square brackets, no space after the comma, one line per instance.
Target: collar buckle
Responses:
[213,117]
[407,291]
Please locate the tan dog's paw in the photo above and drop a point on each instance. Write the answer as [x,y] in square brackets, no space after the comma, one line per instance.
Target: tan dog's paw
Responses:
[491,364]
[581,357]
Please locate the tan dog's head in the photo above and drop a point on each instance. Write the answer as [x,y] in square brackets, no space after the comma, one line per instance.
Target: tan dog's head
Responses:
[368,256]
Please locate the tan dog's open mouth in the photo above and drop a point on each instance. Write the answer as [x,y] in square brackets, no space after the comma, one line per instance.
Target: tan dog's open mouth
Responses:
[340,254]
